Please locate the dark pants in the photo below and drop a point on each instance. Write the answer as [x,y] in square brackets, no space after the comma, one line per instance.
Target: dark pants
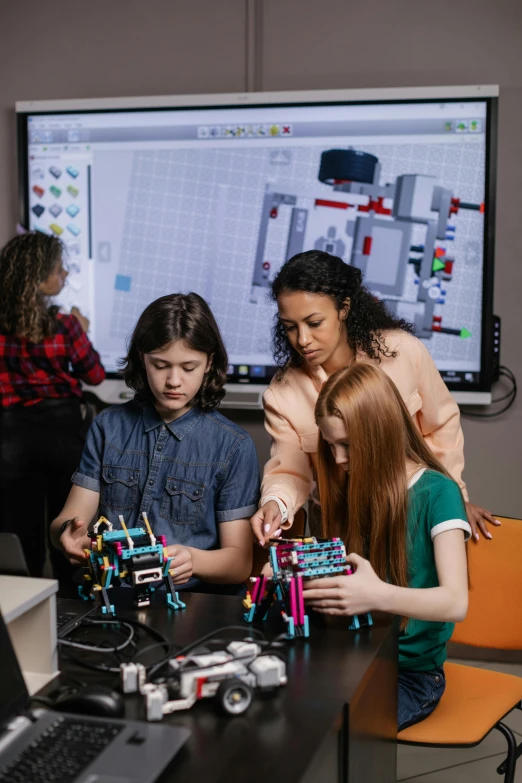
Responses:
[40,448]
[419,694]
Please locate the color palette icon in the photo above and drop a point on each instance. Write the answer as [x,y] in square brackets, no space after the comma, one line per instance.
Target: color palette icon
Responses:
[38,210]
[55,171]
[72,210]
[72,172]
[72,191]
[56,229]
[55,191]
[38,190]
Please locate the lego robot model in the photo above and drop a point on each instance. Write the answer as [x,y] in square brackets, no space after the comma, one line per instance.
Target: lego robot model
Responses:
[230,675]
[131,555]
[293,560]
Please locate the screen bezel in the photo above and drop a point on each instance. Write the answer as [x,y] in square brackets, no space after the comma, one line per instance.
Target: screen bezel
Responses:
[488,94]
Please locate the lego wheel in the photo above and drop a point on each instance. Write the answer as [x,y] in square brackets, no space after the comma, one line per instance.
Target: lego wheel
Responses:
[347,166]
[234,696]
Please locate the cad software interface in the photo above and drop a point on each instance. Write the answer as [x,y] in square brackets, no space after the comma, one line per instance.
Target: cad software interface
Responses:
[215,200]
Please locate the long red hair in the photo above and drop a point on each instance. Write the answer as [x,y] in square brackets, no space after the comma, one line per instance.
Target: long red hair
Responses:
[367,508]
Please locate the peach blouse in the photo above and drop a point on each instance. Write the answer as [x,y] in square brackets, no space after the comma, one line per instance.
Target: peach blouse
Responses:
[289,419]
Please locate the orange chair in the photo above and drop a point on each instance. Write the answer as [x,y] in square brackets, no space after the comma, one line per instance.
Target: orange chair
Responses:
[476,700]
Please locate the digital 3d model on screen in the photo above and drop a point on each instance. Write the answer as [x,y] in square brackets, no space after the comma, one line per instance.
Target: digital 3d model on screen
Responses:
[132,556]
[399,234]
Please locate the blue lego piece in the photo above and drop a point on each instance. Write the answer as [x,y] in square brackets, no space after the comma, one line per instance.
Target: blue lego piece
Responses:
[141,550]
[123,283]
[120,535]
[175,604]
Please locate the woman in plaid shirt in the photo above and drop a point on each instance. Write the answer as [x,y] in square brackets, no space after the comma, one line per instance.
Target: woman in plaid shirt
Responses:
[44,354]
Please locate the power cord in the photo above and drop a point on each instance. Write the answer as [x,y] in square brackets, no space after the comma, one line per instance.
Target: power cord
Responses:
[98,648]
[161,640]
[510,396]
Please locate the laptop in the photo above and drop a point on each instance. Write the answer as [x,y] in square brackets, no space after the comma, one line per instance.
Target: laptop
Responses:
[69,611]
[70,748]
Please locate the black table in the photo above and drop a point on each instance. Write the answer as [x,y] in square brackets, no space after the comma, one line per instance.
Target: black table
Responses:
[335,720]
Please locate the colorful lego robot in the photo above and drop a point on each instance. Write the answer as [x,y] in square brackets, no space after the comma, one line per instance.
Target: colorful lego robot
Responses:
[131,555]
[293,560]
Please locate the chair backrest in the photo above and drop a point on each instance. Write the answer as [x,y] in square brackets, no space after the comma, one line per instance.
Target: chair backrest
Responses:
[494,616]
[12,558]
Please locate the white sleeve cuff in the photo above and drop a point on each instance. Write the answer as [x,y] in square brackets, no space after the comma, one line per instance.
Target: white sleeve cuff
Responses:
[452,524]
[282,508]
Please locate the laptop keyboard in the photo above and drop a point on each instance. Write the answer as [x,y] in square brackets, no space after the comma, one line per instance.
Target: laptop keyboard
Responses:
[63,618]
[62,752]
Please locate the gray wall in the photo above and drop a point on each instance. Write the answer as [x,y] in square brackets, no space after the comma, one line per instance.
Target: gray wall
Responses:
[129,47]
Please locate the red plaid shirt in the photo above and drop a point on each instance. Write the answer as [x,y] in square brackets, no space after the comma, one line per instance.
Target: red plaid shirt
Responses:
[52,368]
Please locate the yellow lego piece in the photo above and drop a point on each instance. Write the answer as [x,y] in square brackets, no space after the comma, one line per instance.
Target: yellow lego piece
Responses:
[56,229]
[247,602]
[147,524]
[106,571]
[130,542]
[99,543]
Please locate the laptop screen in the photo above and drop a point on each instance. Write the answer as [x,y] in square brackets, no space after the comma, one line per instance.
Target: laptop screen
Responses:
[14,697]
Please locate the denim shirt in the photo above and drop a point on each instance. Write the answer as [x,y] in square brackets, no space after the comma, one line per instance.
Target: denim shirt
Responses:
[189,476]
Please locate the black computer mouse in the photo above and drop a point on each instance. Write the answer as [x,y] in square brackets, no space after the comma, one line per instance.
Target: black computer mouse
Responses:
[92,700]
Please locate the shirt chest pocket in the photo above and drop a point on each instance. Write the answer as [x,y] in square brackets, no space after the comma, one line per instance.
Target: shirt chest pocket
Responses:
[183,501]
[119,488]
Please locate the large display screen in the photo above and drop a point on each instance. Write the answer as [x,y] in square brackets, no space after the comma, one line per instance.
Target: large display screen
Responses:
[214,199]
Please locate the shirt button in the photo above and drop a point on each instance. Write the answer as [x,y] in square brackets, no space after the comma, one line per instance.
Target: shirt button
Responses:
[163,427]
[151,481]
[159,448]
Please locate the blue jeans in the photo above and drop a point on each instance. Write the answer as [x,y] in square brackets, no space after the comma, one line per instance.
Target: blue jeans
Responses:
[419,694]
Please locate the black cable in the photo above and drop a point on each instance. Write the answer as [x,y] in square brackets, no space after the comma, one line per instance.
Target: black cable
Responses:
[511,395]
[98,648]
[105,669]
[207,637]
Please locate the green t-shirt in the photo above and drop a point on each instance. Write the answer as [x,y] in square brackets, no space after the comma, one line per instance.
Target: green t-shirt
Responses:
[435,505]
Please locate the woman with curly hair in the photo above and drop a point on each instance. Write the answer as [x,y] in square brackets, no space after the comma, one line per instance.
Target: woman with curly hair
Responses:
[44,354]
[327,320]
[170,454]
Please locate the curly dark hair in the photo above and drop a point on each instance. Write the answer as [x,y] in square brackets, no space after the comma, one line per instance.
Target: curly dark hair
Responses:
[184,317]
[25,262]
[317,272]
